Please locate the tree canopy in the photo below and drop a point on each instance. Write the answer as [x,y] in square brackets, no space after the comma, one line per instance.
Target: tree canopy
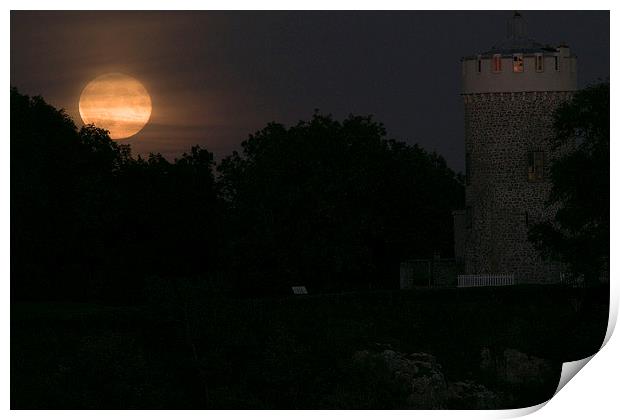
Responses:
[336,205]
[579,233]
[329,204]
[89,220]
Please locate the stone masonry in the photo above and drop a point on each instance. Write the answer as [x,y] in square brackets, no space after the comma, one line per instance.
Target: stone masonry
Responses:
[501,129]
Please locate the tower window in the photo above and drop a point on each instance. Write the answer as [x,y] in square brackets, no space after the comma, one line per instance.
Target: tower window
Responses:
[540,63]
[479,65]
[497,63]
[535,166]
[556,60]
[517,63]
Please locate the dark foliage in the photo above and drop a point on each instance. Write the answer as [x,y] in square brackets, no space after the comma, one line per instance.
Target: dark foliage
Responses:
[295,352]
[89,221]
[335,205]
[579,234]
[331,205]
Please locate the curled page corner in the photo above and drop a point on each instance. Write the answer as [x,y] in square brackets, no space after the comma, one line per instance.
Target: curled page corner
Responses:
[521,412]
[569,370]
[613,313]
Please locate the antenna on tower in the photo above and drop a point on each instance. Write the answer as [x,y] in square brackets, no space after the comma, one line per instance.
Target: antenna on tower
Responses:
[516,26]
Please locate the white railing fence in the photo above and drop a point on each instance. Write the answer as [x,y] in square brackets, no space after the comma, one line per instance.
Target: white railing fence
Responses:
[482,280]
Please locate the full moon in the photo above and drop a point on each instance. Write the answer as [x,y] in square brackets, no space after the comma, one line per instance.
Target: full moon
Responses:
[117,103]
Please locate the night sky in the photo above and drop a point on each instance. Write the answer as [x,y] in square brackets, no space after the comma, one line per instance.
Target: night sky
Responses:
[215,77]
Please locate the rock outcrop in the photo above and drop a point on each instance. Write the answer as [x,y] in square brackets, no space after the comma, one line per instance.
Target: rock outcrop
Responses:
[514,368]
[422,379]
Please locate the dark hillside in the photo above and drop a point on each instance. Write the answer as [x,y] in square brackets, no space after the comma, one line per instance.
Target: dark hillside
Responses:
[491,346]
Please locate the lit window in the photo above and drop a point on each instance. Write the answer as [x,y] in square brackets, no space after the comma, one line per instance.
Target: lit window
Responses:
[479,64]
[497,63]
[535,166]
[517,63]
[557,63]
[540,63]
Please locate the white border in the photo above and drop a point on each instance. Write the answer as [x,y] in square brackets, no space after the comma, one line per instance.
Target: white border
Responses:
[592,394]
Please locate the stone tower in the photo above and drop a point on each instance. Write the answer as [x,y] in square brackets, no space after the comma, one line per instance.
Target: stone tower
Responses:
[510,94]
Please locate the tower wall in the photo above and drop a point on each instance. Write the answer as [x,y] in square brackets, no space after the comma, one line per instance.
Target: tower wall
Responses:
[501,131]
[511,93]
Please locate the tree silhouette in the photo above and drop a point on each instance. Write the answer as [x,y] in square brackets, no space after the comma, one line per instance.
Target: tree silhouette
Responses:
[328,204]
[579,233]
[335,205]
[90,221]
[58,176]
